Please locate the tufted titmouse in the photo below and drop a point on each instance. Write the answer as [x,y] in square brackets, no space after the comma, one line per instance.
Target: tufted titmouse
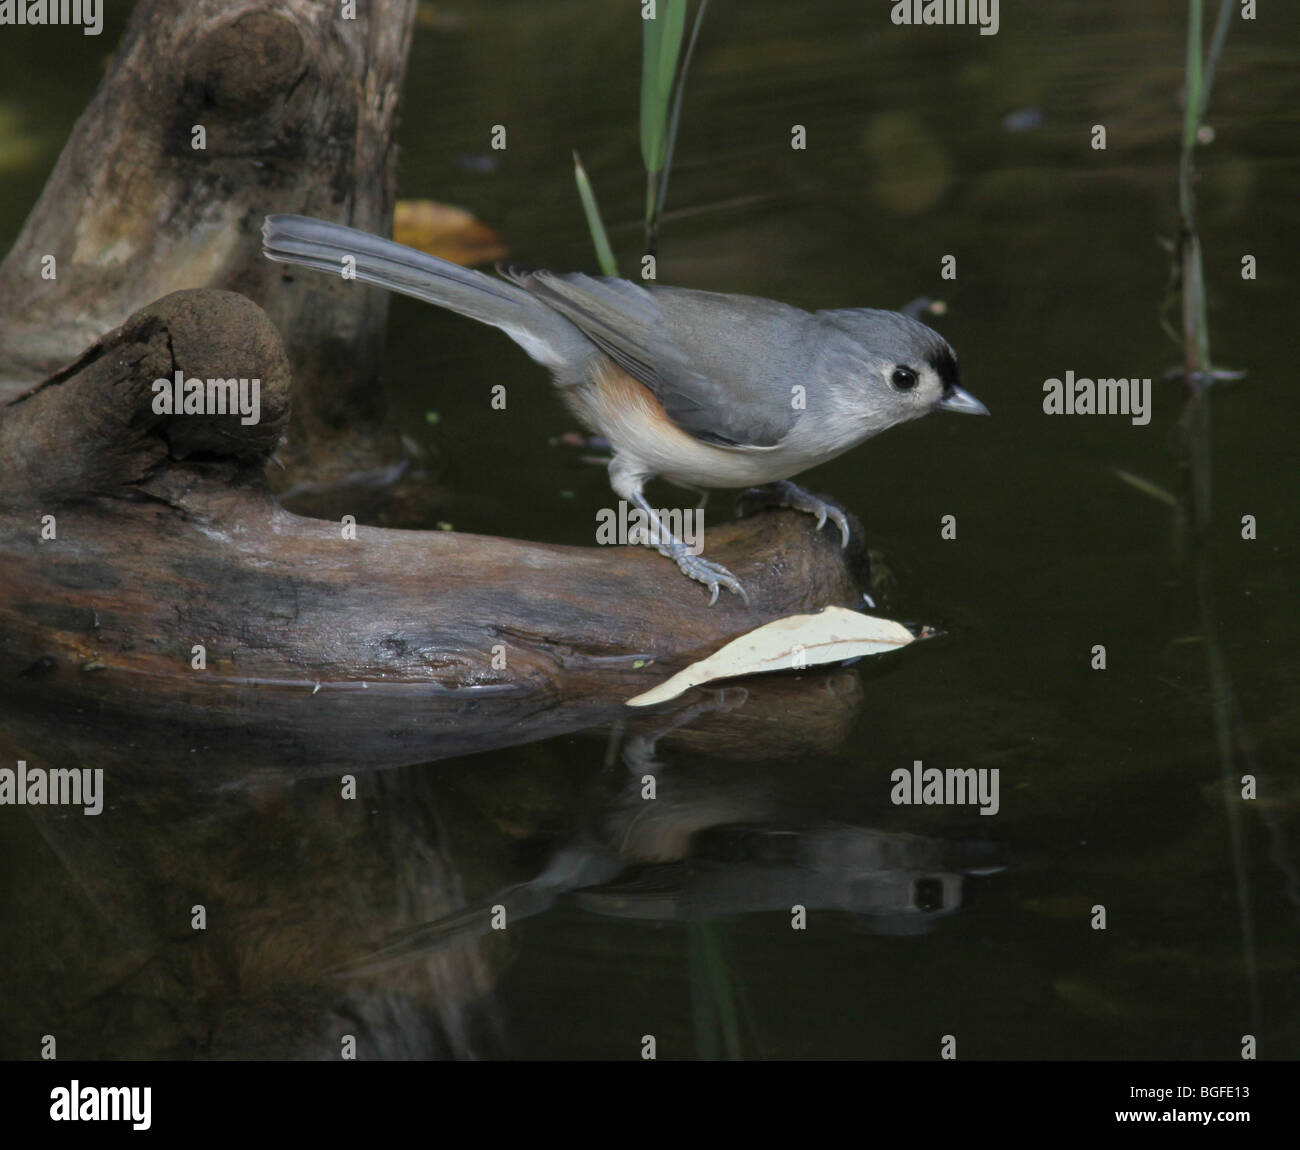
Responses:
[704,389]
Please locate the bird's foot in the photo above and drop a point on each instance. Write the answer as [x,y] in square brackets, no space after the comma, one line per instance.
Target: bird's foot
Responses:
[713,575]
[787,494]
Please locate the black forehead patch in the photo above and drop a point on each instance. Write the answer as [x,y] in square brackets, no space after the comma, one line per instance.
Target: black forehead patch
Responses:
[945,366]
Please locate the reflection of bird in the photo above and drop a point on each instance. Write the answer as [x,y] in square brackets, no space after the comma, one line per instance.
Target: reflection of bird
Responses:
[705,390]
[574,867]
[693,867]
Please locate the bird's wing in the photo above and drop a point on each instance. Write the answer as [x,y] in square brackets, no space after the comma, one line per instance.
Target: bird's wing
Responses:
[719,364]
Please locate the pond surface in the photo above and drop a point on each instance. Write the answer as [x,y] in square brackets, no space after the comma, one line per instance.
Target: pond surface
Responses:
[674,918]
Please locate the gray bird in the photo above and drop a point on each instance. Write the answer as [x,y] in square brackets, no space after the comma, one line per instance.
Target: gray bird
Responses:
[703,389]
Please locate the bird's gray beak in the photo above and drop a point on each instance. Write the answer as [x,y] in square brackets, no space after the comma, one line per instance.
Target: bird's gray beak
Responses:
[959,399]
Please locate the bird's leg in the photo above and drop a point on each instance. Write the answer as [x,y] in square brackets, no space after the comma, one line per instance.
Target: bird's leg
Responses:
[702,496]
[787,494]
[712,575]
[627,485]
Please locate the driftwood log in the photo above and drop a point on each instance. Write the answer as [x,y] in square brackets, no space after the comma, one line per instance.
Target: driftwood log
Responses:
[129,539]
[165,537]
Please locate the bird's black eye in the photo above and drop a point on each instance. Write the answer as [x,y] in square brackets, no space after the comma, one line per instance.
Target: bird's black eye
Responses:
[904,378]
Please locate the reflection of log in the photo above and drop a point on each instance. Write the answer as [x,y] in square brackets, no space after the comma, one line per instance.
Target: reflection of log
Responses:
[294,881]
[430,643]
[295,105]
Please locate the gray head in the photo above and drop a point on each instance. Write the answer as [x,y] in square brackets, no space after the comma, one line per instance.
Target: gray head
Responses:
[907,368]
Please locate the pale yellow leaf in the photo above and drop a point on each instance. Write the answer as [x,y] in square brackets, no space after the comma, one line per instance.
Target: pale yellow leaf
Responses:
[831,636]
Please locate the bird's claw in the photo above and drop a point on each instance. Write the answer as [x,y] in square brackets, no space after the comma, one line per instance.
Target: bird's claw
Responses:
[787,494]
[713,575]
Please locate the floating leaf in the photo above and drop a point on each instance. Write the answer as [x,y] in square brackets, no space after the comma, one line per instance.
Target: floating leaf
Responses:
[447,232]
[831,636]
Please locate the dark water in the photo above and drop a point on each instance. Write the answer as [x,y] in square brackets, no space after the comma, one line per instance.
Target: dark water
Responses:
[674,918]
